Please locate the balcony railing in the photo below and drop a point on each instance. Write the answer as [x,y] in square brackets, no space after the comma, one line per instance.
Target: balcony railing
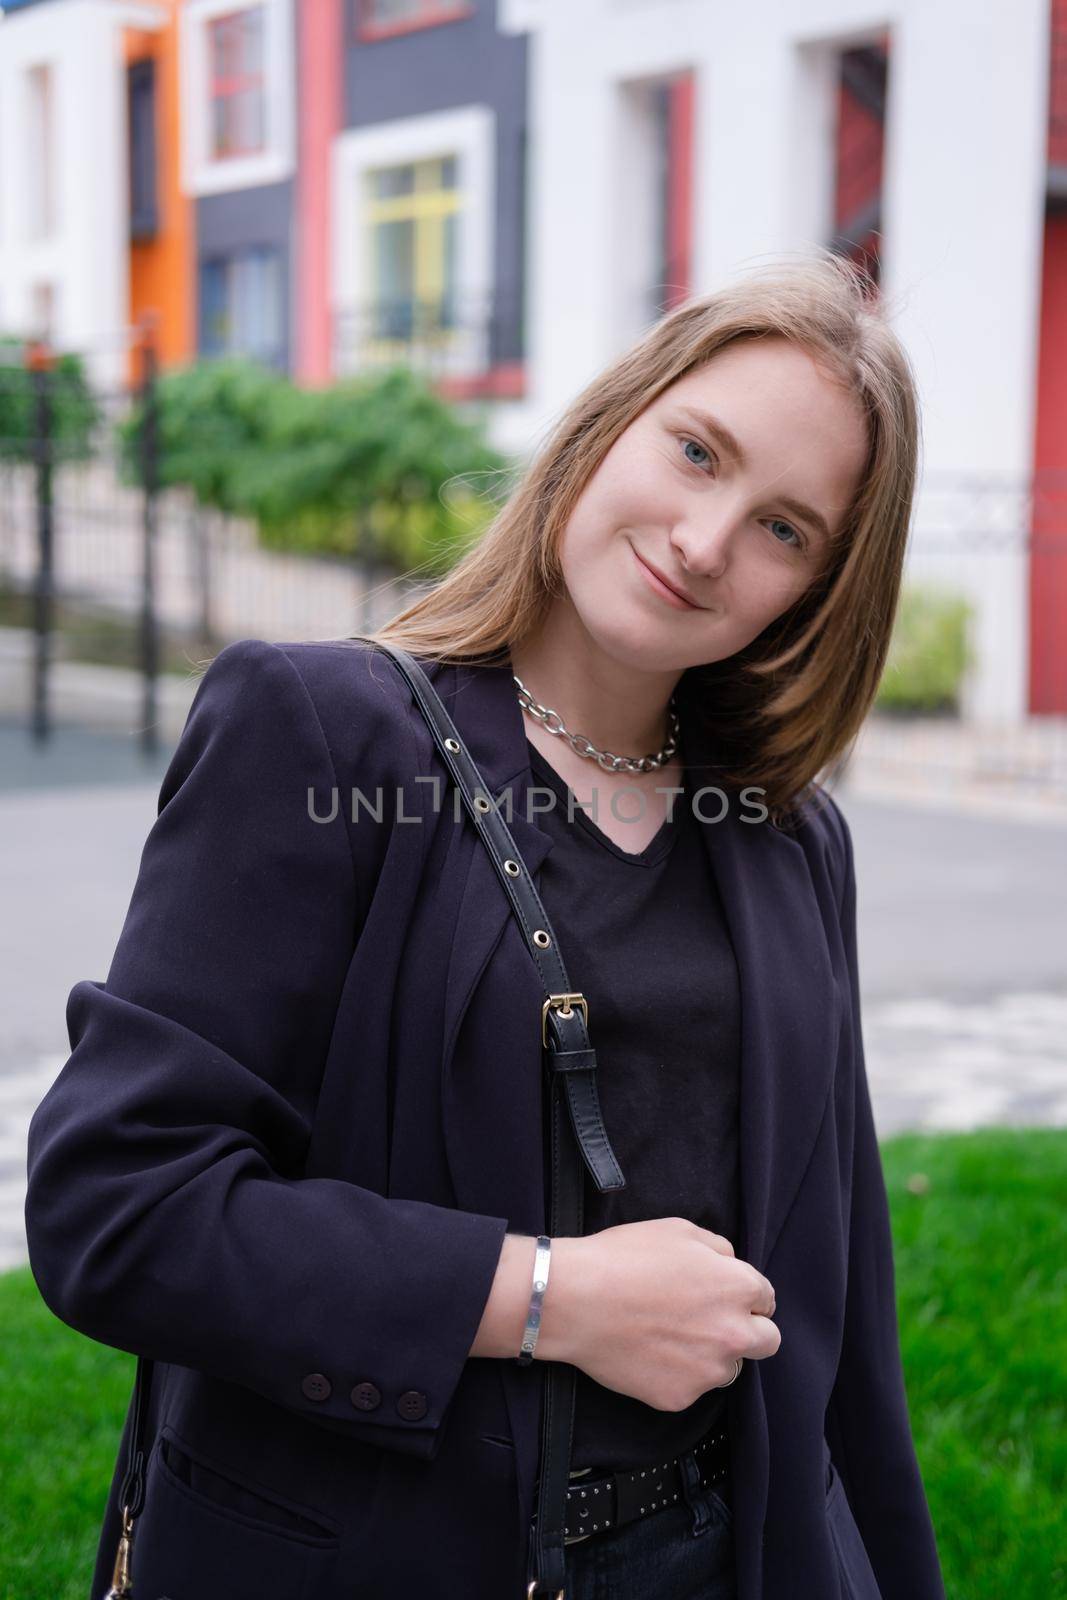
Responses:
[468,344]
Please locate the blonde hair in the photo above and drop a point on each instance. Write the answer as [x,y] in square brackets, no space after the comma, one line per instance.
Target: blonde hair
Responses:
[788,705]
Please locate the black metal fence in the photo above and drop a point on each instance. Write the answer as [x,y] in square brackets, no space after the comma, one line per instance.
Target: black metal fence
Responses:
[112,586]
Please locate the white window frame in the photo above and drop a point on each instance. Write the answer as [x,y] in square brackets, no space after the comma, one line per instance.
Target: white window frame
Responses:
[468,133]
[201,172]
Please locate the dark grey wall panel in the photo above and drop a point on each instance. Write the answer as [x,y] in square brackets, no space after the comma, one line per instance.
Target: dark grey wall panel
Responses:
[440,68]
[247,218]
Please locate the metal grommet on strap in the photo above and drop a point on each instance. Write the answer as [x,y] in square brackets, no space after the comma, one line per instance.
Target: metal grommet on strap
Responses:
[541,939]
[531,1590]
[452,744]
[511,868]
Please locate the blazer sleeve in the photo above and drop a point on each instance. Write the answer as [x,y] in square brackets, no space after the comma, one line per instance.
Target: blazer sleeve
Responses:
[867,1422]
[165,1210]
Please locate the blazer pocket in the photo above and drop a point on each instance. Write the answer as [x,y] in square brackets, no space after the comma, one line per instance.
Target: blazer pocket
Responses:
[205,1533]
[858,1581]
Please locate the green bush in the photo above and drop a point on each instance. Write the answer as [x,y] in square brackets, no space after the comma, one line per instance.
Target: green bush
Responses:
[359,469]
[75,413]
[929,653]
[209,416]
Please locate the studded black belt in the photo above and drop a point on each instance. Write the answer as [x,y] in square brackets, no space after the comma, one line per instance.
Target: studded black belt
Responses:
[599,1500]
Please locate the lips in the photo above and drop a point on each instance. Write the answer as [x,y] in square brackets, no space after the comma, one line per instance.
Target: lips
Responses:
[667,584]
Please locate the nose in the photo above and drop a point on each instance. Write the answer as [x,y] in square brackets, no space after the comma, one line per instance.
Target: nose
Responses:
[701,550]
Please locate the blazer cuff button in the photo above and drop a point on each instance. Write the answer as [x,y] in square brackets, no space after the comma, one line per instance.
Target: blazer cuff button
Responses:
[366,1396]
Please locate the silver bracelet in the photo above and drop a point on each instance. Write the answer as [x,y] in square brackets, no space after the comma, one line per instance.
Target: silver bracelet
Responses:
[542,1256]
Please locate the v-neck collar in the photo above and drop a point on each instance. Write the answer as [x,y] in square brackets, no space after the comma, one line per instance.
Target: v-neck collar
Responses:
[654,852]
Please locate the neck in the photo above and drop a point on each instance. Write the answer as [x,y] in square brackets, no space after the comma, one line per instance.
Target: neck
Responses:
[616,706]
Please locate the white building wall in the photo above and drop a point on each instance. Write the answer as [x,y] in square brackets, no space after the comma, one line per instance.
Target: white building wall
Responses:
[964,222]
[82,266]
[963,213]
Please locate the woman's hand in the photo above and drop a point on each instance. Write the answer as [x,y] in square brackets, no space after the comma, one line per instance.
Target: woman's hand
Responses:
[659,1310]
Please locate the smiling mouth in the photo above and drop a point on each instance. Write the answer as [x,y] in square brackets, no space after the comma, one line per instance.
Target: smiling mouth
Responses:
[663,588]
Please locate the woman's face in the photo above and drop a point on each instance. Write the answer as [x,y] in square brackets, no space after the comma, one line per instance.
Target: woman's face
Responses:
[742,535]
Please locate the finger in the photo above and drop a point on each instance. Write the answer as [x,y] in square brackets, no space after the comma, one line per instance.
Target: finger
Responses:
[718,1242]
[763,1300]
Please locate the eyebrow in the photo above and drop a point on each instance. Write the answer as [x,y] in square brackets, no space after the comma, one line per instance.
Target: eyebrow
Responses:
[720,431]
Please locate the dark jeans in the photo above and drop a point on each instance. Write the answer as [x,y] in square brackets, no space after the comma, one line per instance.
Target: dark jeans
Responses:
[685,1552]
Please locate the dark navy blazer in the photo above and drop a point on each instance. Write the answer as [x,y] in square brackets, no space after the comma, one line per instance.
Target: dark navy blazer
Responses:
[305,1107]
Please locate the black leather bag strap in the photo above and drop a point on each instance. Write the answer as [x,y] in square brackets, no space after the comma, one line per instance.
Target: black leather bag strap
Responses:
[131,1494]
[578,1140]
[564,1031]
[577,1134]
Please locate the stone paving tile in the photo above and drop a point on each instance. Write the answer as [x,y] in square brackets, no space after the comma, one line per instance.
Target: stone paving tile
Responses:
[942,1064]
[20,1093]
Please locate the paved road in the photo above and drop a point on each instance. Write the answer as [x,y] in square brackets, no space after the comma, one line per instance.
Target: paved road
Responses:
[963,929]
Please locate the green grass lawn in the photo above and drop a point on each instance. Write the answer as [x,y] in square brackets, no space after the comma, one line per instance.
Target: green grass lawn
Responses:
[980,1231]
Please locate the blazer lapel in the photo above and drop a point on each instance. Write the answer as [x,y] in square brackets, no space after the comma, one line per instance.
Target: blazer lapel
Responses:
[792,1006]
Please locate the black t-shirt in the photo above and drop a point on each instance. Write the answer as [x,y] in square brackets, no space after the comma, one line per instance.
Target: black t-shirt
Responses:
[644,939]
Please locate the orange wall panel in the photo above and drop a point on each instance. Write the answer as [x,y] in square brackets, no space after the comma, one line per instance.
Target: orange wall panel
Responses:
[162,287]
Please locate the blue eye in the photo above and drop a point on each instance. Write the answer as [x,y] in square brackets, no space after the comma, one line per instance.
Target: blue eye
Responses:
[793,531]
[700,447]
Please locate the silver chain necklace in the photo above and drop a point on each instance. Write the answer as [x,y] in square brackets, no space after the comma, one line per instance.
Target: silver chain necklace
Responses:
[611,763]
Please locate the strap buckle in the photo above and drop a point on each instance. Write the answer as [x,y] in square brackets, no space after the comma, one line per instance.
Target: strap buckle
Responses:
[563,1004]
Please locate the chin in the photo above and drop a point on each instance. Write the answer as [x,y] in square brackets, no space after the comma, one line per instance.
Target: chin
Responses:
[634,642]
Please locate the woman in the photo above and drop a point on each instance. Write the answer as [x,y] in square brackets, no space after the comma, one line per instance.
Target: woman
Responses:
[296,1155]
